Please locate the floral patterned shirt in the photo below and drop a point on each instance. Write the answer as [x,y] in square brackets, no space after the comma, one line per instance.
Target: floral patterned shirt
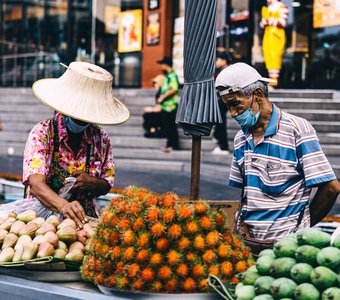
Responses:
[39,150]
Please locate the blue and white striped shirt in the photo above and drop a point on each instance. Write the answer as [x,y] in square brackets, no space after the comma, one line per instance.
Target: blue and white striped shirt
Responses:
[278,174]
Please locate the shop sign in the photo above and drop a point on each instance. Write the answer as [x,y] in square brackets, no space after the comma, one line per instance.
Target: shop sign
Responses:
[130,31]
[153,29]
[153,4]
[111,19]
[326,13]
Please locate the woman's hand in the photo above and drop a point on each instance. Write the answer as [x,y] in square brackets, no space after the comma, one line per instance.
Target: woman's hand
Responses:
[74,211]
[84,183]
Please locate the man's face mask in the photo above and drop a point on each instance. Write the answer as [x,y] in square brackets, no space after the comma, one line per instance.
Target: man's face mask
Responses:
[247,119]
[73,126]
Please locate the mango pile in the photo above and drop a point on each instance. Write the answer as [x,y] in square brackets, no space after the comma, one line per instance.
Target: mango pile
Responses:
[158,243]
[24,237]
[301,266]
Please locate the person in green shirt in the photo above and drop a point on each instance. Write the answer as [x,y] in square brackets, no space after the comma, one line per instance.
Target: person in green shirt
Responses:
[168,99]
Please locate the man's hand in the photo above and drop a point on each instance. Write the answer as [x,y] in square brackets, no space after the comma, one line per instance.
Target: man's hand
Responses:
[160,99]
[74,211]
[84,183]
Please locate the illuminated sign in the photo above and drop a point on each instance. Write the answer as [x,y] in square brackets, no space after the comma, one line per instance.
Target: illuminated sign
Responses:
[326,13]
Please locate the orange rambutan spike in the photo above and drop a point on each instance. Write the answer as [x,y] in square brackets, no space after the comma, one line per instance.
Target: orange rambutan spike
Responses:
[191,256]
[173,257]
[212,238]
[142,194]
[147,274]
[169,199]
[199,243]
[162,244]
[113,221]
[189,284]
[135,208]
[151,200]
[241,266]
[169,215]
[227,268]
[96,246]
[246,253]
[164,272]
[236,254]
[153,214]
[138,224]
[203,285]
[175,231]
[156,286]
[111,281]
[184,212]
[106,216]
[122,282]
[220,219]
[138,284]
[214,270]
[223,250]
[129,253]
[128,237]
[237,244]
[182,270]
[191,227]
[171,285]
[100,278]
[124,223]
[157,229]
[183,243]
[228,237]
[120,267]
[143,240]
[209,256]
[105,235]
[156,259]
[206,223]
[133,270]
[198,271]
[200,207]
[142,255]
[234,280]
[113,238]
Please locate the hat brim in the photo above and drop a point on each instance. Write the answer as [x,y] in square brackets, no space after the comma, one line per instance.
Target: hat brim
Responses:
[267,80]
[79,105]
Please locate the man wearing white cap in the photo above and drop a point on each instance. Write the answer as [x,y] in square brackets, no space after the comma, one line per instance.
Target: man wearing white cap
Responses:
[277,160]
[71,143]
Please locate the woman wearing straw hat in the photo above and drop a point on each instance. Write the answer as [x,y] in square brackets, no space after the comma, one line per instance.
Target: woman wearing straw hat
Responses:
[71,143]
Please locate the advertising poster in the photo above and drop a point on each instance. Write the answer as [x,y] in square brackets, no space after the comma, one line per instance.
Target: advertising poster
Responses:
[130,31]
[178,48]
[153,30]
[111,19]
[326,13]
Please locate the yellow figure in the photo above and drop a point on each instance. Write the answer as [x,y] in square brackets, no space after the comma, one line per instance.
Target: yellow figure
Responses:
[274,20]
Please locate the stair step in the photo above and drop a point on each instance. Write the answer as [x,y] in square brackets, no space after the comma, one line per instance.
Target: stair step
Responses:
[149,165]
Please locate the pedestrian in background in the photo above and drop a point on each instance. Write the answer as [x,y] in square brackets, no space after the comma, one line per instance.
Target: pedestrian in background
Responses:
[220,132]
[168,100]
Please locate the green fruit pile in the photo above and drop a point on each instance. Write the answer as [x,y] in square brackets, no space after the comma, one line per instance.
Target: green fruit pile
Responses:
[301,266]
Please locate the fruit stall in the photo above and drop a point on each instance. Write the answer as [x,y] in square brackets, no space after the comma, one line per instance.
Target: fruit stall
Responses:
[147,245]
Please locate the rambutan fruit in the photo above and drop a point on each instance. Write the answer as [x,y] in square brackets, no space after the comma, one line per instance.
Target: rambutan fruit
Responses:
[124,223]
[151,200]
[169,199]
[191,227]
[200,207]
[212,238]
[129,253]
[206,222]
[173,257]
[220,219]
[106,216]
[237,244]
[111,281]
[138,224]
[157,229]
[171,285]
[234,280]
[223,250]
[169,215]
[133,270]
[113,238]
[191,256]
[142,255]
[183,243]
[162,244]
[153,214]
[115,252]
[135,208]
[209,256]
[227,268]
[199,243]
[156,259]
[228,237]
[182,270]
[113,221]
[122,282]
[214,270]
[105,235]
[120,267]
[203,286]
[246,253]
[138,285]
[100,278]
[128,237]
[143,240]
[241,266]
[189,284]
[235,254]
[156,286]
[164,272]
[198,271]
[175,231]
[184,212]
[147,274]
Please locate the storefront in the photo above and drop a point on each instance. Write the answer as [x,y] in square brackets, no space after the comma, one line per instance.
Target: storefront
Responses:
[311,58]
[123,36]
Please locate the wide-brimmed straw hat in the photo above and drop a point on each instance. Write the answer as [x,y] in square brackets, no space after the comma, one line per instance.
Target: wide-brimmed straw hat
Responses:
[83,92]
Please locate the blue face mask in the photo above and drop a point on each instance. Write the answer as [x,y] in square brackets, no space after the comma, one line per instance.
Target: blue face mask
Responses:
[73,126]
[247,119]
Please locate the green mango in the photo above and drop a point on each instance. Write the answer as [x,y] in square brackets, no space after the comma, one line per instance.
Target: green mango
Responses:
[283,288]
[250,276]
[281,267]
[264,297]
[263,264]
[307,254]
[239,285]
[286,248]
[336,242]
[306,291]
[332,293]
[329,257]
[313,237]
[262,285]
[301,272]
[267,252]
[323,278]
[246,292]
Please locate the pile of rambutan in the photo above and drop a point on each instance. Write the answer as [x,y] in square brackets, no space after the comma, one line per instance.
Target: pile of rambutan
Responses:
[158,243]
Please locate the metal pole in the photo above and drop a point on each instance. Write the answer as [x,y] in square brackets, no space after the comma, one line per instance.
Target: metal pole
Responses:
[93,31]
[195,168]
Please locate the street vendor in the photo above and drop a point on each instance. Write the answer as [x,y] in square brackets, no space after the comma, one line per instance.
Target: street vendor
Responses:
[71,144]
[277,161]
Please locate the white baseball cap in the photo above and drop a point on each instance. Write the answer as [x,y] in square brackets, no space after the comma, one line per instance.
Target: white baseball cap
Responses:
[236,77]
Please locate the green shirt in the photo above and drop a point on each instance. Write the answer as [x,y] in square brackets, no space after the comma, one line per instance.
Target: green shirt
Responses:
[170,82]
